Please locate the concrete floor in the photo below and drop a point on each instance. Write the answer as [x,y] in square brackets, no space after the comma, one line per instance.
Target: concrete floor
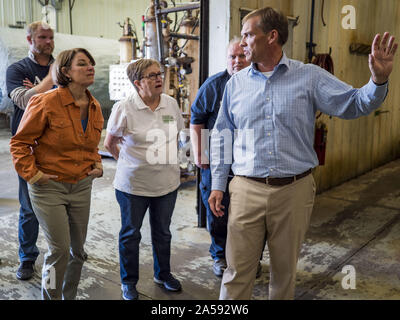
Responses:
[357,224]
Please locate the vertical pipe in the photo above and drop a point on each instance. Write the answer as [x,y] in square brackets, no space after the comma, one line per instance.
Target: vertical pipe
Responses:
[70,15]
[204,40]
[30,11]
[17,11]
[13,8]
[24,11]
[159,32]
[56,12]
[151,40]
[203,75]
[2,14]
[311,44]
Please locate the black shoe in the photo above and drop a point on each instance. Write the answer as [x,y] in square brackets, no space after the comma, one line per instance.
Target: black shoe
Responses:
[129,292]
[25,270]
[170,283]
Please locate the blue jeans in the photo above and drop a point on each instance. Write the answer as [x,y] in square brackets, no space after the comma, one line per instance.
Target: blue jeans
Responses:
[28,225]
[133,209]
[217,226]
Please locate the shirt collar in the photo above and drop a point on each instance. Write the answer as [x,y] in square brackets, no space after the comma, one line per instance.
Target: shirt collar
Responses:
[135,97]
[284,61]
[226,73]
[32,57]
[67,98]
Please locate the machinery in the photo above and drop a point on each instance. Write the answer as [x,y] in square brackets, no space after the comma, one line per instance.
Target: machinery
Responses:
[162,41]
[175,44]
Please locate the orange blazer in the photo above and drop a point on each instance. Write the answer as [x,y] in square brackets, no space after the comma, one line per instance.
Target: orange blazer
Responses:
[50,138]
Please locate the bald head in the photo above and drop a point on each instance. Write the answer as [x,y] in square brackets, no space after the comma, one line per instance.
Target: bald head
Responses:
[236,60]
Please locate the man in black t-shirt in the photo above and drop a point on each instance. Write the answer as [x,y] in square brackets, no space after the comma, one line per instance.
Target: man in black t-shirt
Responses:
[24,79]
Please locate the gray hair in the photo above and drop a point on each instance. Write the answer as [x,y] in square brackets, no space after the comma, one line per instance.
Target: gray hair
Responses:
[135,70]
[234,40]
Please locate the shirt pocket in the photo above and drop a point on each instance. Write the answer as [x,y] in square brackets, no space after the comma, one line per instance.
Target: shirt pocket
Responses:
[97,129]
[60,130]
[295,112]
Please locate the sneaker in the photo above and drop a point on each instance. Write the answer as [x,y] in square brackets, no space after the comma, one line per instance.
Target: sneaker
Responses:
[219,267]
[171,284]
[25,270]
[259,270]
[129,292]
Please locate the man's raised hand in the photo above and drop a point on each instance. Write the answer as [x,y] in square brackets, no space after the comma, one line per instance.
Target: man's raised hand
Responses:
[382,57]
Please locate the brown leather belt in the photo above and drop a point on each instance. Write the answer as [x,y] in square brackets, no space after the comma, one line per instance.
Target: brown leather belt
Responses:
[279,181]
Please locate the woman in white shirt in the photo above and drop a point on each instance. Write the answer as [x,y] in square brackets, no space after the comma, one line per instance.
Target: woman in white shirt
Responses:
[142,136]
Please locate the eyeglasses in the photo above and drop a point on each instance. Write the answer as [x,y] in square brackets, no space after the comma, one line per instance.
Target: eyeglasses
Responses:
[154,76]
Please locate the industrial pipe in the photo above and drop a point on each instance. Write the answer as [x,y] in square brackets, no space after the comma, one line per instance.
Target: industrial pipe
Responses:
[203,75]
[195,5]
[311,44]
[184,36]
[159,32]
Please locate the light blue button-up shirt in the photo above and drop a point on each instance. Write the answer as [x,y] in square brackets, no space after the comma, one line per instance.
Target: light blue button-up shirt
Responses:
[265,126]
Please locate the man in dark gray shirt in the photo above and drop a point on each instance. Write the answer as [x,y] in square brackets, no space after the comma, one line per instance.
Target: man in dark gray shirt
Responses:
[24,79]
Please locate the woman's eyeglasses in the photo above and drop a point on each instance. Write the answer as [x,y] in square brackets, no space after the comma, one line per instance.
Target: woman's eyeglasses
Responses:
[154,76]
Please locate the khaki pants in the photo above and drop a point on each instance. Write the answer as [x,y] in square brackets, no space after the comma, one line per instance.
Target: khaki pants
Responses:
[257,210]
[62,210]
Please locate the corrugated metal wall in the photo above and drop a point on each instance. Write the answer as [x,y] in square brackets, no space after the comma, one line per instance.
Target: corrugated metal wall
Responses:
[12,11]
[95,18]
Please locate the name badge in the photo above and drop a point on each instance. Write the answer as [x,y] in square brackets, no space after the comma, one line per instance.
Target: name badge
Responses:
[168,119]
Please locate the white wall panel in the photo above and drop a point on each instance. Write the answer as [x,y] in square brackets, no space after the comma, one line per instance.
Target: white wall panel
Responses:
[219,35]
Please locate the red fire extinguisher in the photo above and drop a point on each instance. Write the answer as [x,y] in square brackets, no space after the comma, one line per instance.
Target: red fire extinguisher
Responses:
[321,133]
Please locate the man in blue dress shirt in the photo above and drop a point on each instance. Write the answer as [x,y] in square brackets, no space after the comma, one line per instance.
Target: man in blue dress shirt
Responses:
[203,113]
[269,110]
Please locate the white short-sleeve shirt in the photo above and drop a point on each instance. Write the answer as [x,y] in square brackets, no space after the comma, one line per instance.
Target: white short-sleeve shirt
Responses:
[148,159]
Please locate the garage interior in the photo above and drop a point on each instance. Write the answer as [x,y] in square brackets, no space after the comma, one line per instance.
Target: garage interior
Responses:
[355,223]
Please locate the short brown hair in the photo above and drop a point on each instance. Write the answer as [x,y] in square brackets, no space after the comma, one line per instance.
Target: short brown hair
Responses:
[271,20]
[64,59]
[32,28]
[135,70]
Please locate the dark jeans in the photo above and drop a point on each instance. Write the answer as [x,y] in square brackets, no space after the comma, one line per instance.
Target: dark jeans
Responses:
[133,209]
[28,225]
[217,226]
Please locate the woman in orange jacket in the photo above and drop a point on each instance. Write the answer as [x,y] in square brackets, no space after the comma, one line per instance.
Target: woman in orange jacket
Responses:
[56,151]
